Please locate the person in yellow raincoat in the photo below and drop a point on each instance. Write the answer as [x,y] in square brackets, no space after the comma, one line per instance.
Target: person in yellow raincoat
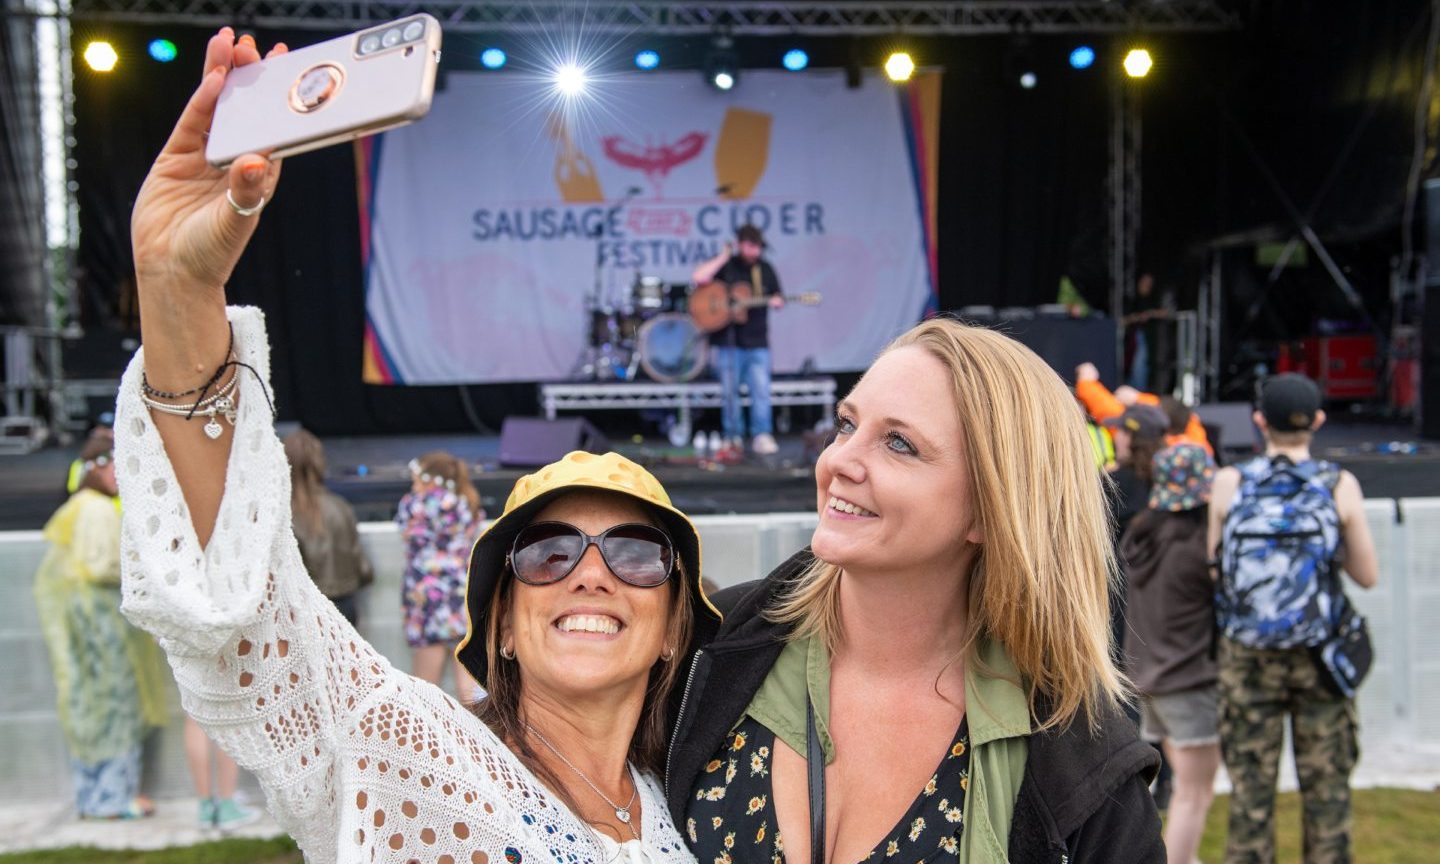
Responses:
[109,676]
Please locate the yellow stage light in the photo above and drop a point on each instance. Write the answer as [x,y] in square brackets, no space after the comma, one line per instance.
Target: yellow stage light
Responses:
[899,66]
[1138,63]
[101,56]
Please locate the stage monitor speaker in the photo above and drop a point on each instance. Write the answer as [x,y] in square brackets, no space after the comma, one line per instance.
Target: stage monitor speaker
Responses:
[529,442]
[1238,436]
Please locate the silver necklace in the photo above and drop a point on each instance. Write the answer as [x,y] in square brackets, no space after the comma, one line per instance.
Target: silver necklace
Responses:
[621,813]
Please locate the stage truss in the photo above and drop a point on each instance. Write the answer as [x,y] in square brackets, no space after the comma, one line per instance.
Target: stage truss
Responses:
[680,18]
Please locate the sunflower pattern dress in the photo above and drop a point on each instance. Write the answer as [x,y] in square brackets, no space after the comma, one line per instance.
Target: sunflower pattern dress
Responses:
[732,818]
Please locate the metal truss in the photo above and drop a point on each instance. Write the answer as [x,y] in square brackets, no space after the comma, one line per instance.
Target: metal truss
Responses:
[683,17]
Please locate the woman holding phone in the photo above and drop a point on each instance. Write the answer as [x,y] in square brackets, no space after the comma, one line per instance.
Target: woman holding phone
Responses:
[582,595]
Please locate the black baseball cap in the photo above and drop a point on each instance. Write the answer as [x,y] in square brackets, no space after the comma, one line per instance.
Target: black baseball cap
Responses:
[1144,421]
[1289,402]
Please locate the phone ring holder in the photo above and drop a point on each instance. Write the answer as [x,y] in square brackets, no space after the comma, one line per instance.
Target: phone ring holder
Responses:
[243,211]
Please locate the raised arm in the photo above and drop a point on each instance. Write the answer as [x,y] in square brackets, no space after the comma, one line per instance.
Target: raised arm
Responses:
[187,238]
[707,270]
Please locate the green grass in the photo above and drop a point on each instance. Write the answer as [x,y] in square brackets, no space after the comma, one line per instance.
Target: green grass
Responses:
[1392,826]
[279,851]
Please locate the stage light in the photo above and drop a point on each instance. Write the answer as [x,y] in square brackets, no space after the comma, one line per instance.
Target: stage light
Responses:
[492,58]
[1082,57]
[1138,63]
[899,66]
[647,59]
[101,56]
[163,50]
[570,79]
[722,69]
[795,59]
[1028,80]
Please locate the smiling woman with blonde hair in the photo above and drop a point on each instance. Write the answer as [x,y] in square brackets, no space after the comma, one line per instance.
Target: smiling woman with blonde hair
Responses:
[942,649]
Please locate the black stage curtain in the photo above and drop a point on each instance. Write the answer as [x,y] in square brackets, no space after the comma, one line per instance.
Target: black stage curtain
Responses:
[1023,175]
[22,223]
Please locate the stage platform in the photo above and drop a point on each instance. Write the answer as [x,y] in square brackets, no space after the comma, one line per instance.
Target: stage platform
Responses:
[1390,462]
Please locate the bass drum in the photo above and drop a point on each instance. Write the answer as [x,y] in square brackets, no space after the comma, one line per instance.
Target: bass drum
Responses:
[672,349]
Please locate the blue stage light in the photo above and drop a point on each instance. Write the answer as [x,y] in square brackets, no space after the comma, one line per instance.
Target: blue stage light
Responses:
[163,50]
[492,58]
[795,60]
[647,59]
[1082,57]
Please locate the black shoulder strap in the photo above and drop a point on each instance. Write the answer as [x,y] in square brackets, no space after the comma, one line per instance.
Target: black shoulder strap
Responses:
[815,754]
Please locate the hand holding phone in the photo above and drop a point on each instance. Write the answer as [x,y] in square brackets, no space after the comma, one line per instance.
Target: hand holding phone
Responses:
[355,85]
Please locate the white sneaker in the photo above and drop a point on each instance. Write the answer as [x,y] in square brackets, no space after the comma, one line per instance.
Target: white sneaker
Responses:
[764,445]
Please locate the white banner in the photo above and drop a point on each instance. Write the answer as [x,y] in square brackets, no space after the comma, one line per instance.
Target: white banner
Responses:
[492,220]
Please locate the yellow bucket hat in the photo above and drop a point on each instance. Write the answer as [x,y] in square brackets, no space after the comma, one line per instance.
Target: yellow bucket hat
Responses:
[610,472]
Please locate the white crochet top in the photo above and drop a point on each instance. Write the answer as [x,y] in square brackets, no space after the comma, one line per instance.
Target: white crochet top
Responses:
[360,762]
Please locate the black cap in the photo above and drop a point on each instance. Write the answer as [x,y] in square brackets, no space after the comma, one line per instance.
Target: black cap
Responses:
[750,234]
[1144,421]
[1289,402]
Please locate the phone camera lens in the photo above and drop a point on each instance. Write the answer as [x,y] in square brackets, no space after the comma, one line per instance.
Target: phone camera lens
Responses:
[370,44]
[391,37]
[413,30]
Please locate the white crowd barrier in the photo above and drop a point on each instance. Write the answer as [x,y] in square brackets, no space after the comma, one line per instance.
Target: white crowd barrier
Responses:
[1399,704]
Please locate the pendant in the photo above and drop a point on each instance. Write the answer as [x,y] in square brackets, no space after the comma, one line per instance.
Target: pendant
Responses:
[623,814]
[213,428]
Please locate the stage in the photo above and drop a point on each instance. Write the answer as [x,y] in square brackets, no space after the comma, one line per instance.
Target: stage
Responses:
[371,472]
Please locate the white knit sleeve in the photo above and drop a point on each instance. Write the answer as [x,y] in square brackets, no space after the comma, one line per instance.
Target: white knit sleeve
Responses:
[266,664]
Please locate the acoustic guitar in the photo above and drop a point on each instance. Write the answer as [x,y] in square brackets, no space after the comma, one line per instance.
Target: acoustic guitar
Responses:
[715,305]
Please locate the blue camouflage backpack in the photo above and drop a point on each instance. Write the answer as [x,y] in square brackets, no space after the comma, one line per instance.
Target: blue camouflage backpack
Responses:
[1277,585]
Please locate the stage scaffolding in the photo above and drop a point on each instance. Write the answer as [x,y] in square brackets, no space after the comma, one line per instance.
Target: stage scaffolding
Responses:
[680,18]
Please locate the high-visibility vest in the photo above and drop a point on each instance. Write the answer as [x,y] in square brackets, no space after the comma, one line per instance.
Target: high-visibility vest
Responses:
[1102,445]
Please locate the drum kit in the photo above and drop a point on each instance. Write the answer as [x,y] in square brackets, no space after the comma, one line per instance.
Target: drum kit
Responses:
[648,332]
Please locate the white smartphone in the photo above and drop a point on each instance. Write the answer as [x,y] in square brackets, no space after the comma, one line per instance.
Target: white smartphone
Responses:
[373,79]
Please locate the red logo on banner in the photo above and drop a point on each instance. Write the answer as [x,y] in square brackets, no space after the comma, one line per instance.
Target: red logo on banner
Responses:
[654,161]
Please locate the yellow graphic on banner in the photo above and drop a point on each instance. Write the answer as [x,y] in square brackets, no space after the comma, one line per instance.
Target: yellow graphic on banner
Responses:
[741,152]
[575,176]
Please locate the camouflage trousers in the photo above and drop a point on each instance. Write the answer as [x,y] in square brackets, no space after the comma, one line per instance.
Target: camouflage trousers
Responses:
[1258,689]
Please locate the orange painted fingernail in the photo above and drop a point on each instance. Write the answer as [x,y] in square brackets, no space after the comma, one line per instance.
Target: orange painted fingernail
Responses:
[253,172]
[248,38]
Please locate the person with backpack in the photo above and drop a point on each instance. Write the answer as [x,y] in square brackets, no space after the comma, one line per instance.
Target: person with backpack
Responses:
[1282,527]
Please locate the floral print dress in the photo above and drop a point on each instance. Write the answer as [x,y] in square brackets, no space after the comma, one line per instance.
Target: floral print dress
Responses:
[732,817]
[438,529]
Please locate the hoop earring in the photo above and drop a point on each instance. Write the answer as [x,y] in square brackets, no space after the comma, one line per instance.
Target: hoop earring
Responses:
[668,655]
[507,651]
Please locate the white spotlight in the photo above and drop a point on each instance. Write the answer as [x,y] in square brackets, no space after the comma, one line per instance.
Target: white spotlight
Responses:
[723,80]
[570,79]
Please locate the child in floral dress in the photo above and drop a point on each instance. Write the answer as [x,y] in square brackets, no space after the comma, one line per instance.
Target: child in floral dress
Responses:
[438,520]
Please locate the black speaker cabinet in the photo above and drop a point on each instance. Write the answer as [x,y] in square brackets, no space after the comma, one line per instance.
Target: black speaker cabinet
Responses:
[529,442]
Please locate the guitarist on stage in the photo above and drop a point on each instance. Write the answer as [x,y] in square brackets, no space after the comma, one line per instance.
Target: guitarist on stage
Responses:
[741,352]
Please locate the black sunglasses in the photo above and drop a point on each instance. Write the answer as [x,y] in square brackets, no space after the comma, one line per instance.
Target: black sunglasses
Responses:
[546,552]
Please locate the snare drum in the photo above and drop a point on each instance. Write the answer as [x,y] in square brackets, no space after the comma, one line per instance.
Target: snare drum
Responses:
[672,348]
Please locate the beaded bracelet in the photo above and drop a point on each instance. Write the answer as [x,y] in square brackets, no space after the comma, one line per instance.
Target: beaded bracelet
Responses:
[220,404]
[161,394]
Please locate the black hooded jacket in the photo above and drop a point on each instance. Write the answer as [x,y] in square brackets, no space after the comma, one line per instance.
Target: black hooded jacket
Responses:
[1083,799]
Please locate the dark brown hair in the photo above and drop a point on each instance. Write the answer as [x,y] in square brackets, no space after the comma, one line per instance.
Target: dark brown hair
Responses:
[1177,413]
[500,709]
[307,479]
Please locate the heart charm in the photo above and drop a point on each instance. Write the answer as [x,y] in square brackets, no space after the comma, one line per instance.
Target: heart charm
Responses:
[213,428]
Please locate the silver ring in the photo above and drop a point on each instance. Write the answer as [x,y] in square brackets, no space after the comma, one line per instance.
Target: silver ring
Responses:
[243,211]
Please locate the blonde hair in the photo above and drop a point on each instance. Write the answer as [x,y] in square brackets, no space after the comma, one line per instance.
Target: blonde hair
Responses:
[1040,583]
